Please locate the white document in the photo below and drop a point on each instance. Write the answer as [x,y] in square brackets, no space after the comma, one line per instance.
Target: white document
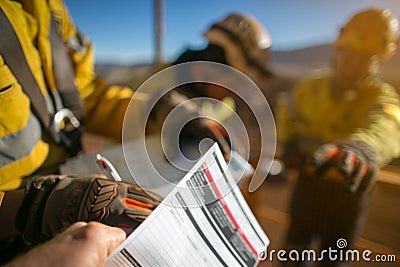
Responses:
[151,170]
[203,221]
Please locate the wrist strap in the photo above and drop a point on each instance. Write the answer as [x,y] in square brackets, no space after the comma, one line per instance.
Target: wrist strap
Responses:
[30,215]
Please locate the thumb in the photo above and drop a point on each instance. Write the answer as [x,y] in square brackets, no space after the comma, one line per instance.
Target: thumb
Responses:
[113,236]
[106,237]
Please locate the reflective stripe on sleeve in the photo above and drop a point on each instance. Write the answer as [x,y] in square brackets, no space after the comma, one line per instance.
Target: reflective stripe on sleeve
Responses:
[18,145]
[78,43]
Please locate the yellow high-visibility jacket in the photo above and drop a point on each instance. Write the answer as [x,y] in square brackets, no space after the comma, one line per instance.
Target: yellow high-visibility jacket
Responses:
[22,149]
[312,117]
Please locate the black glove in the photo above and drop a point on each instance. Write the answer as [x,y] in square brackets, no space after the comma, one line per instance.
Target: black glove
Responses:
[354,160]
[52,203]
[201,128]
[188,117]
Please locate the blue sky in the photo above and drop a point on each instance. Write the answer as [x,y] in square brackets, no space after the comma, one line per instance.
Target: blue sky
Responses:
[122,30]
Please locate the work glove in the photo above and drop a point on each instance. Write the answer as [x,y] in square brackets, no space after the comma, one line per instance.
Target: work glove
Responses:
[200,128]
[187,116]
[54,202]
[355,162]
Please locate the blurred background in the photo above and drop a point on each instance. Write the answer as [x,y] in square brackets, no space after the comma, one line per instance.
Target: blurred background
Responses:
[130,37]
[123,30]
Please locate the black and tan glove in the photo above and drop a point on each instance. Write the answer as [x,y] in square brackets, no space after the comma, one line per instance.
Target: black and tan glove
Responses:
[188,117]
[52,203]
[354,160]
[201,128]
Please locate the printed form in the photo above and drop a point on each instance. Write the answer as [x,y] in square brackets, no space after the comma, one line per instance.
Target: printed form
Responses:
[203,221]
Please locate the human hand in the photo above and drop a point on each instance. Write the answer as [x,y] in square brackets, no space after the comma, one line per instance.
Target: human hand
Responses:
[53,203]
[176,118]
[201,128]
[354,160]
[82,244]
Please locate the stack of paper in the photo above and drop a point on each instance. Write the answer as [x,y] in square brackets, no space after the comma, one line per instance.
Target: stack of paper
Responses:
[203,221]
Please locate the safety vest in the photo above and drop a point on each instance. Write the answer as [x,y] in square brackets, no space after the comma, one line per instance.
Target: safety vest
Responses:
[26,143]
[312,117]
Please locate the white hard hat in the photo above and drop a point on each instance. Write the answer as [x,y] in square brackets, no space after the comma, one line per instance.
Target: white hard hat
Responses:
[241,34]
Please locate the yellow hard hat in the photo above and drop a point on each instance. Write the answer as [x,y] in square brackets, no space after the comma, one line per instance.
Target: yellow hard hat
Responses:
[373,31]
[243,33]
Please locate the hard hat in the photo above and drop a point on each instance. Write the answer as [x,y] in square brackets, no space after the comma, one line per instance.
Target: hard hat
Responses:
[245,29]
[373,31]
[240,33]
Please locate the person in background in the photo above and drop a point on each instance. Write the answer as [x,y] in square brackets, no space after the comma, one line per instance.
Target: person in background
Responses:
[237,40]
[50,94]
[240,41]
[338,129]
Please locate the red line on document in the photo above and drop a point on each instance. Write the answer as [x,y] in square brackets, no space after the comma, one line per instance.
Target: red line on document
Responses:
[207,172]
